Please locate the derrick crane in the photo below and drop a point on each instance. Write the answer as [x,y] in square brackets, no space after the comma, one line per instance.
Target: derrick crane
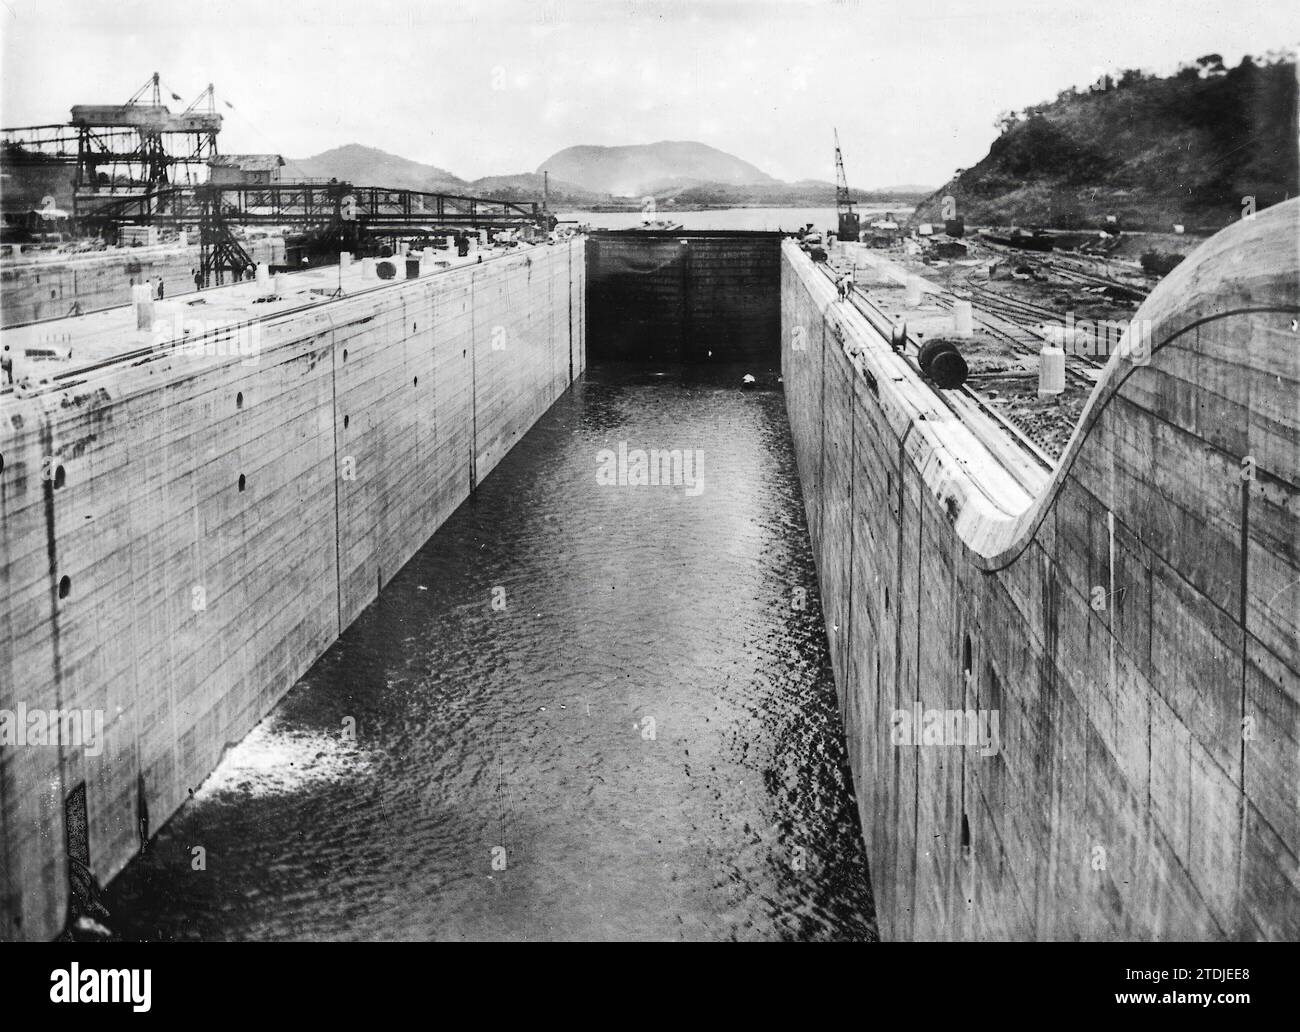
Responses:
[107,152]
[849,220]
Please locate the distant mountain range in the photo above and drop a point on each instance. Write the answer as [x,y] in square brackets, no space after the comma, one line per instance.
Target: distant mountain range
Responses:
[683,172]
[367,166]
[652,168]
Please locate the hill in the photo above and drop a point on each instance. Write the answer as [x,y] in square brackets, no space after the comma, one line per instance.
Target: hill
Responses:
[651,168]
[1151,151]
[807,193]
[369,166]
[528,186]
[693,174]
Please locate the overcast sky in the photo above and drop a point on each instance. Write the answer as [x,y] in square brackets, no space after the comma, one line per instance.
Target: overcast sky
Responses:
[496,86]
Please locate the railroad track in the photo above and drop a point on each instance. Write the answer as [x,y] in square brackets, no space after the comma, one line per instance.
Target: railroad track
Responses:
[1025,437]
[1018,323]
[1024,316]
[1092,279]
[1023,339]
[1027,342]
[1012,307]
[1069,268]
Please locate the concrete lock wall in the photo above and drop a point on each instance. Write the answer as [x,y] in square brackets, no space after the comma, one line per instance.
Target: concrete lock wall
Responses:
[35,288]
[1135,627]
[684,296]
[281,494]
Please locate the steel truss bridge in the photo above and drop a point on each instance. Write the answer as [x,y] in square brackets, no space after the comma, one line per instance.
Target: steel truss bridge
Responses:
[343,214]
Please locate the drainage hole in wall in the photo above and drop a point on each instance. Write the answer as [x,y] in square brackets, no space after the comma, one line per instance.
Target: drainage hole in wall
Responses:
[60,477]
[346,420]
[415,382]
[2,463]
[965,838]
[241,481]
[345,354]
[65,586]
[239,400]
[886,599]
[966,657]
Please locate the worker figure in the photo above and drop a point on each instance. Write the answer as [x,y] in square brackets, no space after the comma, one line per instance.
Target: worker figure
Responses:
[844,286]
[160,288]
[7,365]
[198,280]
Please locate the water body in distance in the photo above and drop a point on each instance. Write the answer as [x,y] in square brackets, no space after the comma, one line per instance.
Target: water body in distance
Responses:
[766,219]
[640,740]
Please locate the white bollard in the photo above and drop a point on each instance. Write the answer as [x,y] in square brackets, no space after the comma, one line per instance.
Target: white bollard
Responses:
[1051,371]
[913,291]
[142,298]
[263,276]
[367,268]
[279,283]
[963,319]
[402,248]
[345,260]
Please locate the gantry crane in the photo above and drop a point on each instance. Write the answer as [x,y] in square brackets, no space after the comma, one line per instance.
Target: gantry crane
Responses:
[109,151]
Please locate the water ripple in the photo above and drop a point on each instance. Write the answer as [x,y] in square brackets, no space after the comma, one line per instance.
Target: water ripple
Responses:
[643,744]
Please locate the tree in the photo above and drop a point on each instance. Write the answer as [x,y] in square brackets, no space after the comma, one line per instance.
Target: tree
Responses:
[1211,64]
[1006,121]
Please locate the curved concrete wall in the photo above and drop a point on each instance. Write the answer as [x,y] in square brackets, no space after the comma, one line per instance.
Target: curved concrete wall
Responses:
[1132,623]
[288,491]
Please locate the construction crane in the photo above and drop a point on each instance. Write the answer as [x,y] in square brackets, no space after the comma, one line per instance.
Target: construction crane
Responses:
[850,221]
[116,164]
[106,152]
[154,83]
